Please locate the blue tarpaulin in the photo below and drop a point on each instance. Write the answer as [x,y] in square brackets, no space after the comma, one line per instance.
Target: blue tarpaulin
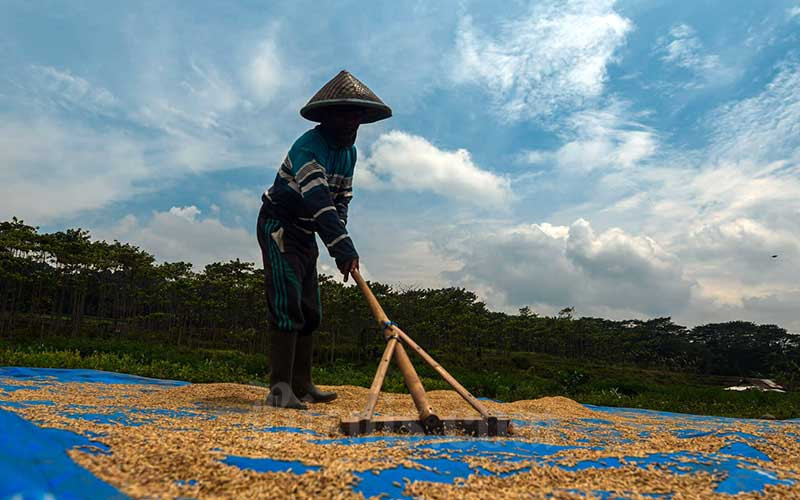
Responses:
[34,462]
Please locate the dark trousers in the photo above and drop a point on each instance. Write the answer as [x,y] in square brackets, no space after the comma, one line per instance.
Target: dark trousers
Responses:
[290,272]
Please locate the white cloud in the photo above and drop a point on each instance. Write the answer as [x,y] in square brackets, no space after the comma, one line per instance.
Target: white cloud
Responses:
[599,139]
[695,272]
[77,168]
[681,198]
[180,235]
[552,267]
[555,57]
[534,157]
[189,213]
[203,120]
[751,170]
[49,169]
[406,162]
[724,211]
[70,90]
[365,178]
[265,73]
[128,144]
[684,49]
[243,200]
[736,258]
[411,262]
[716,272]
[765,127]
[210,92]
[700,227]
[723,222]
[793,12]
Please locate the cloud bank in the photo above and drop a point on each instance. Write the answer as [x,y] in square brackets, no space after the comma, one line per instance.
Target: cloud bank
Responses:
[552,267]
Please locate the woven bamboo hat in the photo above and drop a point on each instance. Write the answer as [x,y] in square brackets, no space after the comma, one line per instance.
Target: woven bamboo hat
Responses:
[346,90]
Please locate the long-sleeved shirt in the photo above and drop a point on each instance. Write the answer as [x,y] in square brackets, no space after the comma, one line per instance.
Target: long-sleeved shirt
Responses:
[312,191]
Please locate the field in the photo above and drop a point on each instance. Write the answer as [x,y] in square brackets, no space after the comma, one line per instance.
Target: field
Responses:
[516,377]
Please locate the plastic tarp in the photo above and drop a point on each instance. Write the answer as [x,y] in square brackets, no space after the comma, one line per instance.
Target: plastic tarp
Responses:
[34,462]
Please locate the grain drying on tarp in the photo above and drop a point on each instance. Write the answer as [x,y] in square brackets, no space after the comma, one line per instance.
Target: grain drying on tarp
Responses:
[196,440]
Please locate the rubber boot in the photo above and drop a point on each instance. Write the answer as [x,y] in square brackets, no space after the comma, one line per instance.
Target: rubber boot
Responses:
[302,385]
[281,359]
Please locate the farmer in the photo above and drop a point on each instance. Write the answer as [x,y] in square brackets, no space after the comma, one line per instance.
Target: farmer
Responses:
[310,195]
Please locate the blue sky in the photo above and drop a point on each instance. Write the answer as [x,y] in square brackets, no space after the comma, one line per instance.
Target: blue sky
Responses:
[630,159]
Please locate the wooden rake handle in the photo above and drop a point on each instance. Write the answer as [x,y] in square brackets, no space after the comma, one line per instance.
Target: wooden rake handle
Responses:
[374,305]
[393,350]
[393,333]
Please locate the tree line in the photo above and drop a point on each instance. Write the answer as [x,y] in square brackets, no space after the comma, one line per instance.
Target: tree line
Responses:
[65,284]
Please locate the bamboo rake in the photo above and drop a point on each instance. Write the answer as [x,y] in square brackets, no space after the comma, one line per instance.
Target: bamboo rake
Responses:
[393,333]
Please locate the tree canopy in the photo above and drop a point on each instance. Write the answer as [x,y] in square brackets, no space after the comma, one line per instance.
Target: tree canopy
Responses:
[64,283]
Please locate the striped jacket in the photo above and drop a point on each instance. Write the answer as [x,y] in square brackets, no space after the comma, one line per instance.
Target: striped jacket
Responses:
[312,190]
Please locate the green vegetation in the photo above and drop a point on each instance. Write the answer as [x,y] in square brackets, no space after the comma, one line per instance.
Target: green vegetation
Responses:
[66,301]
[495,378]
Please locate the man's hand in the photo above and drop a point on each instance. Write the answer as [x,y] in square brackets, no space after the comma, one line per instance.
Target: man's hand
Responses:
[347,267]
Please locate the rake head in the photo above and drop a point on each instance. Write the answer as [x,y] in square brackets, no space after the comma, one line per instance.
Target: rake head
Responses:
[473,426]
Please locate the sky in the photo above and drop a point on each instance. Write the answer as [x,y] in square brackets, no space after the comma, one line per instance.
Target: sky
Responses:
[630,159]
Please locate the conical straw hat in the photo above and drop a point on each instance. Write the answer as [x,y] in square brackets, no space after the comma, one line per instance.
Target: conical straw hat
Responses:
[345,89]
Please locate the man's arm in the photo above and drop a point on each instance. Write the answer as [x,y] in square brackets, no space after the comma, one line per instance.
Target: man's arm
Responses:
[342,201]
[309,174]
